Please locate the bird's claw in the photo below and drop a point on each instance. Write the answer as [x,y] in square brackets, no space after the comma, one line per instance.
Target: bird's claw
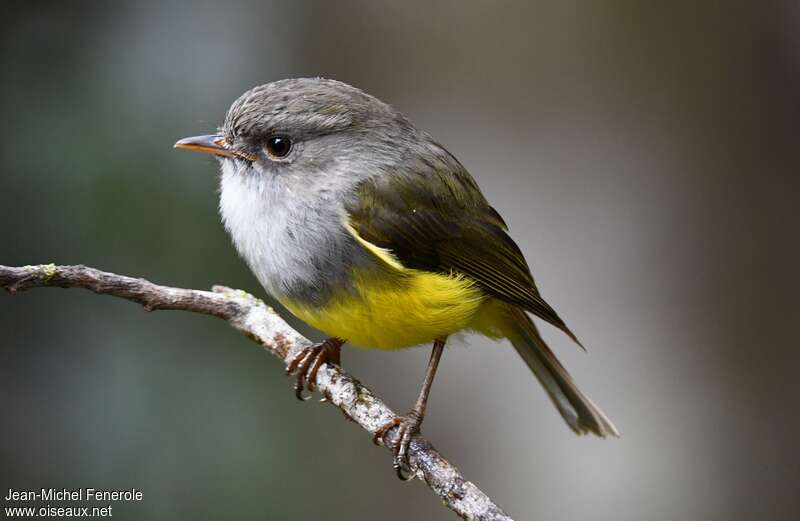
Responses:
[307,362]
[407,426]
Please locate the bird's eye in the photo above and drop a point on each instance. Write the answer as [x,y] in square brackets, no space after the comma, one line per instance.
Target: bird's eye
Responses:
[279,146]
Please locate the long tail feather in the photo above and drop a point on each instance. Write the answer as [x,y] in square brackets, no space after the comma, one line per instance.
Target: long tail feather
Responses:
[580,413]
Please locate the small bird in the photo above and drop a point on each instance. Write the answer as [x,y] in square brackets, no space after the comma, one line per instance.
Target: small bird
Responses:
[368,229]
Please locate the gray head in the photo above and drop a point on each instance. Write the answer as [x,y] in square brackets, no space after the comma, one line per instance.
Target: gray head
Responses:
[305,130]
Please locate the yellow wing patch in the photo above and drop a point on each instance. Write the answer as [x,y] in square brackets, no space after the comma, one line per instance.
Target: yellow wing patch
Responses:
[382,253]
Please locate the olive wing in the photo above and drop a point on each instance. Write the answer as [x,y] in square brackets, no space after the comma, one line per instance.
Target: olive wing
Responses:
[436,219]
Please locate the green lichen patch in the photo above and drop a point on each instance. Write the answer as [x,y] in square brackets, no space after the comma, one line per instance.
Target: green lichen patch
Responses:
[49,271]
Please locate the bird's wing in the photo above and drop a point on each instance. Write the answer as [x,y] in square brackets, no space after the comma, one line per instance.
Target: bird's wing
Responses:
[433,217]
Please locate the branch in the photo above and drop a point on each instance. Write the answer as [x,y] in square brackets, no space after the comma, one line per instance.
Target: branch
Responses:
[260,323]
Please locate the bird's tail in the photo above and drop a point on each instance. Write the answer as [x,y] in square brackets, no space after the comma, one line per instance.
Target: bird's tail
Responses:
[578,411]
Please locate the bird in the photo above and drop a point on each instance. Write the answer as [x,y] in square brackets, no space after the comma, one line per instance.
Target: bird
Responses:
[368,229]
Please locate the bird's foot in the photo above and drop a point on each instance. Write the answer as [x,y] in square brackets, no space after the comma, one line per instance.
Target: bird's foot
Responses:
[407,426]
[307,362]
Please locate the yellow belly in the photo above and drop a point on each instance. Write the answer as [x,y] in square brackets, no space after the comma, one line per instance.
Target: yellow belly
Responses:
[402,309]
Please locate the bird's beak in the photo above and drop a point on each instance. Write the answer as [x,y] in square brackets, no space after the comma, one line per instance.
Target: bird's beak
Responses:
[213,144]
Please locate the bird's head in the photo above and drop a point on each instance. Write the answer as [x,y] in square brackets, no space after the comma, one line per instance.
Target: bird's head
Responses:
[306,129]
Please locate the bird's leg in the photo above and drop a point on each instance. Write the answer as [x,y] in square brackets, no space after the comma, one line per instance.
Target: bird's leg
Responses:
[409,424]
[308,361]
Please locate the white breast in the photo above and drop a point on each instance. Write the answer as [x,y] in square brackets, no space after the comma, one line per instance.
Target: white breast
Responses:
[255,214]
[286,240]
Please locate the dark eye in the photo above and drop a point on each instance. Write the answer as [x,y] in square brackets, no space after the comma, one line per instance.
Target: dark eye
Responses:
[278,146]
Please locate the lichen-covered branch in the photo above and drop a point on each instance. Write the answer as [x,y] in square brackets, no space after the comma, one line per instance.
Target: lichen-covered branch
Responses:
[259,322]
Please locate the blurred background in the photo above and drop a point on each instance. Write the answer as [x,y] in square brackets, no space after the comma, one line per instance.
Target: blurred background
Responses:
[644,154]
